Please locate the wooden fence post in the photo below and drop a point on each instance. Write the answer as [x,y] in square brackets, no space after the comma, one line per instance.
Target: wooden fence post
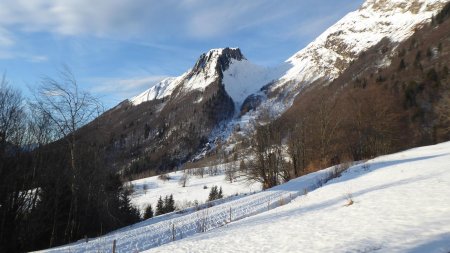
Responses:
[114,246]
[173,232]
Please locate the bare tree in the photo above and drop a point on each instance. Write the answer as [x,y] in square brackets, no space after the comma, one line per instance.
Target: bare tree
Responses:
[326,123]
[11,114]
[443,112]
[184,179]
[12,175]
[297,147]
[68,108]
[267,164]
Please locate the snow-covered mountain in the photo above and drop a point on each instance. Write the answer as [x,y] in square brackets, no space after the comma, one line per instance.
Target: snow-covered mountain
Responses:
[239,76]
[323,59]
[333,51]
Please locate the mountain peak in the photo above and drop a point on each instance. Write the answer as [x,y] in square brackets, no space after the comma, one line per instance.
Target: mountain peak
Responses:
[218,59]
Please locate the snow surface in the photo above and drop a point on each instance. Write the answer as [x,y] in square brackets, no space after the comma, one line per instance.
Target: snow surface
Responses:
[401,204]
[158,91]
[160,230]
[194,190]
[243,78]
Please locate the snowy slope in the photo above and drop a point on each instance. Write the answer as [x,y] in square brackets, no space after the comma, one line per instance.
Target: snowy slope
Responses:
[401,204]
[194,190]
[158,91]
[329,54]
[160,230]
[244,78]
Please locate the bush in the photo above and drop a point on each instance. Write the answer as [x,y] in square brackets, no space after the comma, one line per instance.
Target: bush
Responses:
[164,177]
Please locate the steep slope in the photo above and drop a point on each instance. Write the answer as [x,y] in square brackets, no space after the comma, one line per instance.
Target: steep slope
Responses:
[399,204]
[159,91]
[331,53]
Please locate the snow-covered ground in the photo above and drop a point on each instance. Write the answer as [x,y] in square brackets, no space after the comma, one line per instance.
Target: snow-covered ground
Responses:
[163,229]
[401,203]
[194,190]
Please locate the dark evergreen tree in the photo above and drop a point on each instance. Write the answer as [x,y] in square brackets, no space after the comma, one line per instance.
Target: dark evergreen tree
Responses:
[213,193]
[159,207]
[166,204]
[220,193]
[148,212]
[170,204]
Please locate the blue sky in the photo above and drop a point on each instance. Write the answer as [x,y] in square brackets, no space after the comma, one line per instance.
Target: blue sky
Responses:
[118,48]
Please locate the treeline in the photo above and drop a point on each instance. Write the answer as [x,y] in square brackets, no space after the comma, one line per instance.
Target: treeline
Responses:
[55,187]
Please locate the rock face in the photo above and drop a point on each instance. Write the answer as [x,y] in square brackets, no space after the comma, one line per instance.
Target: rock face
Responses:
[218,59]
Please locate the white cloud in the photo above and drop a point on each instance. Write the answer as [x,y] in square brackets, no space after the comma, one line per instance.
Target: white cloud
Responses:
[124,87]
[6,54]
[152,18]
[36,58]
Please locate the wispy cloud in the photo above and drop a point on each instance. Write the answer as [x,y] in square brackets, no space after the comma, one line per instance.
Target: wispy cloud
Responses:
[123,87]
[6,38]
[10,54]
[152,18]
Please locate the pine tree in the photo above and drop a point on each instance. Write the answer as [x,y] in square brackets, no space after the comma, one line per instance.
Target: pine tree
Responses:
[148,212]
[220,194]
[160,206]
[171,204]
[213,193]
[166,204]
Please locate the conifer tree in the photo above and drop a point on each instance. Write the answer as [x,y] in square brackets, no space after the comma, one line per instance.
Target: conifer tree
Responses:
[148,212]
[160,206]
[213,193]
[170,204]
[166,204]
[220,193]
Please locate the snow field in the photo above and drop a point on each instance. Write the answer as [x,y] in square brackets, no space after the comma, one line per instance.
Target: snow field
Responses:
[401,203]
[170,227]
[194,190]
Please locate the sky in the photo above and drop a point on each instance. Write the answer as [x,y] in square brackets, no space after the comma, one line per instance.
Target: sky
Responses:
[117,49]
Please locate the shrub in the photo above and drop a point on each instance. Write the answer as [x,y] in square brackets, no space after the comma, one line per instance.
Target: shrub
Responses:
[164,177]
